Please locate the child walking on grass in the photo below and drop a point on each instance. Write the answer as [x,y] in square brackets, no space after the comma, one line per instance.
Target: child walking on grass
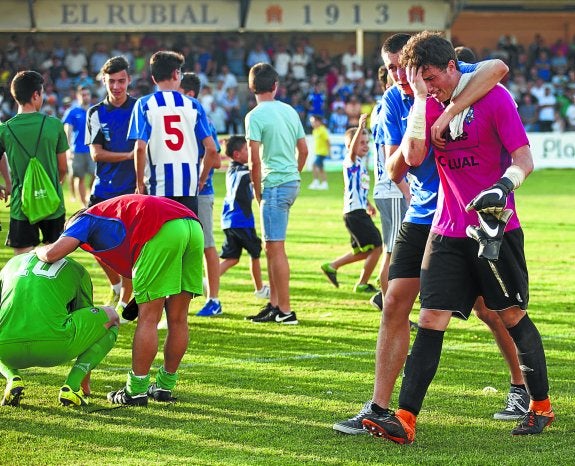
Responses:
[357,211]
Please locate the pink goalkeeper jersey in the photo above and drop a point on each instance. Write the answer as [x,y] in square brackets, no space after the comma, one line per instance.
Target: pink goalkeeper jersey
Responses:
[475,160]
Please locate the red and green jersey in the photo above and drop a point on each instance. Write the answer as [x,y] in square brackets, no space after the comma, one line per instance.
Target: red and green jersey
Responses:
[26,127]
[36,298]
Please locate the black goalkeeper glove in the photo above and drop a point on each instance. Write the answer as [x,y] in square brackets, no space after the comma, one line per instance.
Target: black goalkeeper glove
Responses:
[492,200]
[130,312]
[489,234]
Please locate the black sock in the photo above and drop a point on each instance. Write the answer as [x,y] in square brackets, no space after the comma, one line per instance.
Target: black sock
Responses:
[420,368]
[521,386]
[378,409]
[531,357]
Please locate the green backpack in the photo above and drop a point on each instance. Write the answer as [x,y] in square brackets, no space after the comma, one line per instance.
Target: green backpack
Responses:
[39,196]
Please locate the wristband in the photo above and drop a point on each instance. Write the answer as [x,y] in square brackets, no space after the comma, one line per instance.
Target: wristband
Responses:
[516,175]
[416,122]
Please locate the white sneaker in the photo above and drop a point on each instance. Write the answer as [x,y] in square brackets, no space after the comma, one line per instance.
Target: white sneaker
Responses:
[264,293]
[314,184]
[323,186]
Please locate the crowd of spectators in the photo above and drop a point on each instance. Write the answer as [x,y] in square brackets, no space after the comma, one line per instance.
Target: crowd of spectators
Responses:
[337,88]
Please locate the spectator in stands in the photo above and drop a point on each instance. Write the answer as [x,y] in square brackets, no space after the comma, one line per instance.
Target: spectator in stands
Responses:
[218,117]
[257,55]
[98,58]
[353,110]
[350,57]
[528,112]
[282,60]
[543,65]
[228,77]
[231,105]
[317,100]
[546,105]
[75,60]
[570,114]
[235,55]
[299,63]
[323,63]
[338,121]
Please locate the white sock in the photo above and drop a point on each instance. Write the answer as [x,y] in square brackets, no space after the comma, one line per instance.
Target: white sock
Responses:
[117,287]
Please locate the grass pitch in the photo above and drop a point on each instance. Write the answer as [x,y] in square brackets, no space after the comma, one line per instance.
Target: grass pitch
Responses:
[269,394]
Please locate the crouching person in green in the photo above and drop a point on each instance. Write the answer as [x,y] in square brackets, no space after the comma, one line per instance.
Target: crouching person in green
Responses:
[159,244]
[47,318]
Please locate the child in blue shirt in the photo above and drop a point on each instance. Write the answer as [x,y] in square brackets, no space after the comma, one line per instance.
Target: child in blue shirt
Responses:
[238,221]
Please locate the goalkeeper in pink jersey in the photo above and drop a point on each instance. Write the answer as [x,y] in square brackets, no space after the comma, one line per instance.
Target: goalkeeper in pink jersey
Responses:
[475,247]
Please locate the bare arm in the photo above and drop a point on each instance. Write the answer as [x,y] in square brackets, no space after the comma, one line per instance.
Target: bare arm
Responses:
[140,164]
[62,166]
[395,164]
[483,79]
[413,145]
[397,169]
[211,159]
[353,146]
[99,154]
[255,165]
[302,152]
[5,190]
[523,158]
[57,250]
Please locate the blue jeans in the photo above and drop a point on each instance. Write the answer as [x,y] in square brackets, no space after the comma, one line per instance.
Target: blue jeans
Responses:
[274,209]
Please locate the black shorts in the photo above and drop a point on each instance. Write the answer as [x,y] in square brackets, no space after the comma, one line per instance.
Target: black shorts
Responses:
[452,276]
[238,239]
[191,202]
[22,234]
[408,251]
[364,234]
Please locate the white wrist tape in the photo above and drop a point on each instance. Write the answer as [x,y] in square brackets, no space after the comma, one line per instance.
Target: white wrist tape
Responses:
[516,175]
[416,122]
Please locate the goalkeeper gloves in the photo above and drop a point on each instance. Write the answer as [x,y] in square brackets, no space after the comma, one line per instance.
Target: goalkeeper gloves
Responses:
[492,200]
[489,234]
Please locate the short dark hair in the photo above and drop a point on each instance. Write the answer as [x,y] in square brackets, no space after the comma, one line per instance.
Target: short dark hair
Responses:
[382,75]
[428,48]
[262,78]
[233,144]
[191,82]
[163,64]
[24,84]
[465,54]
[394,43]
[115,65]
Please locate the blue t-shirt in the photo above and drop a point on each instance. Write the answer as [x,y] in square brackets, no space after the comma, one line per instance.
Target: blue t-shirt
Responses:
[76,118]
[208,188]
[101,233]
[423,180]
[108,126]
[237,211]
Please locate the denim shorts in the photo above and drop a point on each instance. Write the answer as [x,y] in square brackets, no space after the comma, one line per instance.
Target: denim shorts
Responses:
[274,209]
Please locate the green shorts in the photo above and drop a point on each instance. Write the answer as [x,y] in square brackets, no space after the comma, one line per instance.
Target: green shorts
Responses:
[171,262]
[82,329]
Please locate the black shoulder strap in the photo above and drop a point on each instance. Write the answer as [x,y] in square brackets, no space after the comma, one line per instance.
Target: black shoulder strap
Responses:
[37,140]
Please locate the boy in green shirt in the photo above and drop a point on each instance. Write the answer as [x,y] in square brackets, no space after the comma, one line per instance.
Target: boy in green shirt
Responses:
[18,138]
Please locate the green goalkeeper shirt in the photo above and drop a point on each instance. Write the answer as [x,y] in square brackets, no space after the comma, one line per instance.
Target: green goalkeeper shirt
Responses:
[36,298]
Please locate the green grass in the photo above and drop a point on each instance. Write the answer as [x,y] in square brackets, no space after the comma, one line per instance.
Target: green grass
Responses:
[267,394]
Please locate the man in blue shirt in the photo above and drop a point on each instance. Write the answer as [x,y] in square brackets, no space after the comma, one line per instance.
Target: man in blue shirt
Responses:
[107,130]
[80,162]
